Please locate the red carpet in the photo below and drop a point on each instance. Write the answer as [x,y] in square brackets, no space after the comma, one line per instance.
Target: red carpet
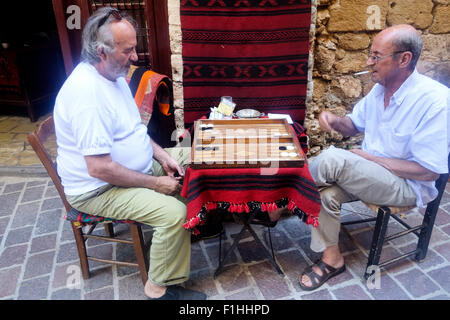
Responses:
[253,50]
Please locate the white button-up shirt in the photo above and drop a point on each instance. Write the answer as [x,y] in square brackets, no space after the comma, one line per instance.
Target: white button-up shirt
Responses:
[414,126]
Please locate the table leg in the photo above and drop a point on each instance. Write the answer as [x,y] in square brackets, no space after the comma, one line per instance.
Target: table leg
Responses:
[246,226]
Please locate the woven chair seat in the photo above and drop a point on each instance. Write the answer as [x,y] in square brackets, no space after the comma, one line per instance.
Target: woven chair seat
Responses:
[394,210]
[83,219]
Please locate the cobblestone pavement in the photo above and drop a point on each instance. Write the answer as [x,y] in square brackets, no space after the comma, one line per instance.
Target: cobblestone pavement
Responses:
[38,257]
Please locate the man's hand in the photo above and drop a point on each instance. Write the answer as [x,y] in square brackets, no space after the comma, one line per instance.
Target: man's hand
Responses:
[167,185]
[344,125]
[173,168]
[326,119]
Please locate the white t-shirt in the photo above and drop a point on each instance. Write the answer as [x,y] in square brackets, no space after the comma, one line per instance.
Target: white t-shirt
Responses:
[414,127]
[96,116]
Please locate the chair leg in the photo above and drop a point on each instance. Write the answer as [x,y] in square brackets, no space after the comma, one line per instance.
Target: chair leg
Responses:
[109,229]
[379,233]
[82,253]
[425,234]
[138,243]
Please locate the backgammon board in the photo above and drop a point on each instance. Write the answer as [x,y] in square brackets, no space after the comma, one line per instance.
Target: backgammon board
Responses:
[245,143]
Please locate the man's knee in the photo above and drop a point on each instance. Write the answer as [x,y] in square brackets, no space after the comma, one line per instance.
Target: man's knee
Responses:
[330,199]
[176,212]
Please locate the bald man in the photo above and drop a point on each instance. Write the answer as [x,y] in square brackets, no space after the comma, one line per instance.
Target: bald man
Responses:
[108,164]
[405,120]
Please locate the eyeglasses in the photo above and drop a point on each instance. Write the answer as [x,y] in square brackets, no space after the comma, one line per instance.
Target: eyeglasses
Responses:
[115,13]
[377,58]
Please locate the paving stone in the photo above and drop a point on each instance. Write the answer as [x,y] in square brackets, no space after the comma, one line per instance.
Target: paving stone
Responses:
[25,215]
[101,277]
[352,292]
[233,277]
[321,294]
[105,251]
[280,240]
[417,283]
[292,263]
[100,294]
[248,294]
[33,194]
[251,251]
[35,183]
[446,229]
[202,281]
[43,243]
[14,187]
[305,244]
[67,232]
[271,287]
[39,264]
[48,222]
[68,274]
[34,289]
[444,250]
[13,256]
[8,279]
[440,297]
[8,202]
[66,294]
[198,259]
[431,260]
[442,276]
[51,192]
[388,289]
[67,252]
[213,254]
[50,204]
[442,218]
[3,225]
[294,227]
[131,288]
[18,236]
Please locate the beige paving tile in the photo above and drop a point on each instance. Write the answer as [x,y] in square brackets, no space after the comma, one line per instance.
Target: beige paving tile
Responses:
[27,158]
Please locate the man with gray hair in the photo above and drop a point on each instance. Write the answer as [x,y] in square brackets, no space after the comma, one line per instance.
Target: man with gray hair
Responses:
[108,164]
[405,119]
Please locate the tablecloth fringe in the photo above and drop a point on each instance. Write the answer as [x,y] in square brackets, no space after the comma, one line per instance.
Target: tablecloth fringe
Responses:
[246,207]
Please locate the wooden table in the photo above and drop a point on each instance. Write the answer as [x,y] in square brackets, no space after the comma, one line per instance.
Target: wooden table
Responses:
[248,166]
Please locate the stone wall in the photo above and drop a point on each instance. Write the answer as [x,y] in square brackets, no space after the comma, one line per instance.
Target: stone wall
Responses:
[344,31]
[341,35]
[177,61]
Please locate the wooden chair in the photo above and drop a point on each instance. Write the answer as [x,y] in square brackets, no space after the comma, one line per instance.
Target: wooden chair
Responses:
[422,231]
[78,219]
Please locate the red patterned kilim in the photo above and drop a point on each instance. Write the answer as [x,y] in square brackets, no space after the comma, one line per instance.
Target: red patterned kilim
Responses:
[253,50]
[246,189]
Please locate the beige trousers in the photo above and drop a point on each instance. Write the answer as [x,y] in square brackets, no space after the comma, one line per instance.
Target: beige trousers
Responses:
[342,176]
[170,251]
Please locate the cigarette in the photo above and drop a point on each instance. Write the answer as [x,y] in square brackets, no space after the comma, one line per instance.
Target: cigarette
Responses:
[362,72]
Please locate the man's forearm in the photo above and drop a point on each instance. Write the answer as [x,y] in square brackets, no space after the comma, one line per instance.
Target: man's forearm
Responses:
[401,168]
[345,126]
[407,169]
[158,153]
[118,175]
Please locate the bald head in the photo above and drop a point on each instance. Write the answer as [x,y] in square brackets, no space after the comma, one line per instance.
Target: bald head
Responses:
[403,37]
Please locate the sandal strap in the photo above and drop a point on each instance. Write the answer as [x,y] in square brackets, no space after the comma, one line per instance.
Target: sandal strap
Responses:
[324,267]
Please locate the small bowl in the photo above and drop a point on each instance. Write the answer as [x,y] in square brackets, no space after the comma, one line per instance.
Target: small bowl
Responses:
[249,113]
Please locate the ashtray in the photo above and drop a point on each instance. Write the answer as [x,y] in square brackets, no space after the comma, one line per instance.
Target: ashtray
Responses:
[249,113]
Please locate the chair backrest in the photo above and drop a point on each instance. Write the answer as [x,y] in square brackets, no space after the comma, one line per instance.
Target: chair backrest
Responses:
[440,186]
[37,141]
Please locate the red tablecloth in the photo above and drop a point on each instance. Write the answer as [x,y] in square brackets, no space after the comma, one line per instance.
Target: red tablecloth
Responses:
[244,189]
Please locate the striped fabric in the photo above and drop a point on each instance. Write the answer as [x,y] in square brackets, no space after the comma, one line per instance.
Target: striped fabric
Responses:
[253,50]
[241,190]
